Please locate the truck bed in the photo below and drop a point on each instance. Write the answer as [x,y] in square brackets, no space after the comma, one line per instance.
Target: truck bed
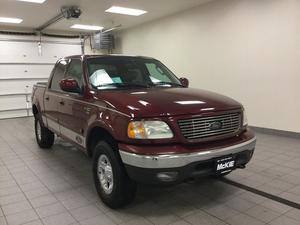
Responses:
[41,84]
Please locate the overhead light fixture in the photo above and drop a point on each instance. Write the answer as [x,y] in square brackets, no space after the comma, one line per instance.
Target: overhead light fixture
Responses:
[33,1]
[86,27]
[10,20]
[126,11]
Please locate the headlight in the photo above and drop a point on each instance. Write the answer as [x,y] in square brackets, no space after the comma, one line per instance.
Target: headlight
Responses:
[149,130]
[245,120]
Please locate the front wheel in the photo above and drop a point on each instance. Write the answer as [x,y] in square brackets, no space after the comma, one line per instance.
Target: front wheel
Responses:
[44,136]
[113,185]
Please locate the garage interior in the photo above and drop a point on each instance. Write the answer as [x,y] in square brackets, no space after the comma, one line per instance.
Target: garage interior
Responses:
[248,50]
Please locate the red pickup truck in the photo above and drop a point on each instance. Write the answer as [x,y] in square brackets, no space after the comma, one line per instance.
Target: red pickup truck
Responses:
[140,123]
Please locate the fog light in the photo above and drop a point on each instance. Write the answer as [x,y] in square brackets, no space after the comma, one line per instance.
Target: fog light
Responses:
[167,176]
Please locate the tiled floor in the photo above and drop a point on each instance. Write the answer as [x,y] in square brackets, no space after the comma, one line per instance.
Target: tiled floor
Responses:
[56,187]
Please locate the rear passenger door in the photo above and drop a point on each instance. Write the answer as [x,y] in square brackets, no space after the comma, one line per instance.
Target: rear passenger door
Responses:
[53,94]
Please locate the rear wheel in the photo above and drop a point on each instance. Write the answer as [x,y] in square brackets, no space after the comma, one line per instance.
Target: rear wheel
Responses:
[113,185]
[44,136]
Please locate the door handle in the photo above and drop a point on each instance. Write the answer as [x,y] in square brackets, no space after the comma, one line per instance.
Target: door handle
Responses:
[47,98]
[62,102]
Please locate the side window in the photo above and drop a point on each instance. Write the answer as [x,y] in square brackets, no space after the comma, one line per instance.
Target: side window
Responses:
[75,71]
[58,75]
[156,73]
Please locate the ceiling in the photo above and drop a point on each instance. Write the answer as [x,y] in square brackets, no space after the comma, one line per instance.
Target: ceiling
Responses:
[34,15]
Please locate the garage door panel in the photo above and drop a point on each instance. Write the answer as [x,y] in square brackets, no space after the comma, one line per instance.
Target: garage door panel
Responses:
[25,71]
[17,86]
[23,52]
[20,52]
[14,114]
[13,102]
[55,52]
[22,65]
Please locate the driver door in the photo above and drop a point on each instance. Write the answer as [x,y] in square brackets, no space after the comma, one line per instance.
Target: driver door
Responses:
[73,110]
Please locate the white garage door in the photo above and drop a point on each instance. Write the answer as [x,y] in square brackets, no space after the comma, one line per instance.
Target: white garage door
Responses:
[22,64]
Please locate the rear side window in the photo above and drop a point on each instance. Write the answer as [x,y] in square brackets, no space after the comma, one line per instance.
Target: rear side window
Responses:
[58,75]
[75,71]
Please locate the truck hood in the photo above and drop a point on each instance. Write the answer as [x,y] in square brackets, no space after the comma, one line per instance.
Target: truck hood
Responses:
[157,102]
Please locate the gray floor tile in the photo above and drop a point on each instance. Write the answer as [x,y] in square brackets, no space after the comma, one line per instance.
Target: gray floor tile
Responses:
[77,202]
[180,222]
[294,213]
[35,193]
[240,204]
[35,222]
[142,221]
[2,221]
[16,207]
[251,197]
[202,218]
[284,220]
[9,191]
[276,206]
[49,210]
[43,200]
[9,199]
[98,220]
[280,184]
[243,219]
[85,212]
[22,217]
[61,219]
[290,196]
[262,213]
[221,211]
[162,217]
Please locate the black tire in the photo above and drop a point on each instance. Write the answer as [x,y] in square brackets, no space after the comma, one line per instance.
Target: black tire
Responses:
[46,137]
[123,189]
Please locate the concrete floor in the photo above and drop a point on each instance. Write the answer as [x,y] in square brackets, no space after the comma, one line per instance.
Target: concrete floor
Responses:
[56,187]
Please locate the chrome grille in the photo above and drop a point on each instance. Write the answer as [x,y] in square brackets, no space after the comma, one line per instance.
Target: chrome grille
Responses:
[206,127]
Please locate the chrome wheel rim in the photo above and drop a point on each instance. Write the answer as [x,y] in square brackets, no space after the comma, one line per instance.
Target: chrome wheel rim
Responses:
[105,174]
[39,130]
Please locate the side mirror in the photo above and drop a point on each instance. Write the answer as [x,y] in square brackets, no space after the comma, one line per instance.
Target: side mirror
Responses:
[69,85]
[184,82]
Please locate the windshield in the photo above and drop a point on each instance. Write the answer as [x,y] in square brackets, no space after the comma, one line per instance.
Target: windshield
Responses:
[121,72]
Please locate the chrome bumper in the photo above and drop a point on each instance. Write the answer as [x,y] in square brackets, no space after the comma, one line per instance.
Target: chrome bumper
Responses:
[180,160]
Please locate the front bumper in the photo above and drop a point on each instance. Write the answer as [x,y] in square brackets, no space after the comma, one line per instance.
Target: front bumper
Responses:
[180,160]
[149,168]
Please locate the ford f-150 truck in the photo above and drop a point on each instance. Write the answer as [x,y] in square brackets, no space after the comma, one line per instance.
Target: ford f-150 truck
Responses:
[140,123]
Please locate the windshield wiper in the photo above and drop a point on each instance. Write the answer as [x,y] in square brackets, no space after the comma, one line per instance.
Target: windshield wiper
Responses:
[162,83]
[124,85]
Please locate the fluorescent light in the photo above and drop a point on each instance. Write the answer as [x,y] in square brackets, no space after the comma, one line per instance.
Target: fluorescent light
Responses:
[10,20]
[126,11]
[33,1]
[86,27]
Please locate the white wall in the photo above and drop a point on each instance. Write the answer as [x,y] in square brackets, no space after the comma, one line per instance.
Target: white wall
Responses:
[246,49]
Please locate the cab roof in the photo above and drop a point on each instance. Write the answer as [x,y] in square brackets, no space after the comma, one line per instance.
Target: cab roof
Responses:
[107,56]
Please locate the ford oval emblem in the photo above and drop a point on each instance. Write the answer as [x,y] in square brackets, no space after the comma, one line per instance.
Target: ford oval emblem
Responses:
[216,125]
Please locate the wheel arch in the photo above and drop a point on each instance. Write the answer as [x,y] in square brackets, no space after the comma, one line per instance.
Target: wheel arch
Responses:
[35,110]
[96,134]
